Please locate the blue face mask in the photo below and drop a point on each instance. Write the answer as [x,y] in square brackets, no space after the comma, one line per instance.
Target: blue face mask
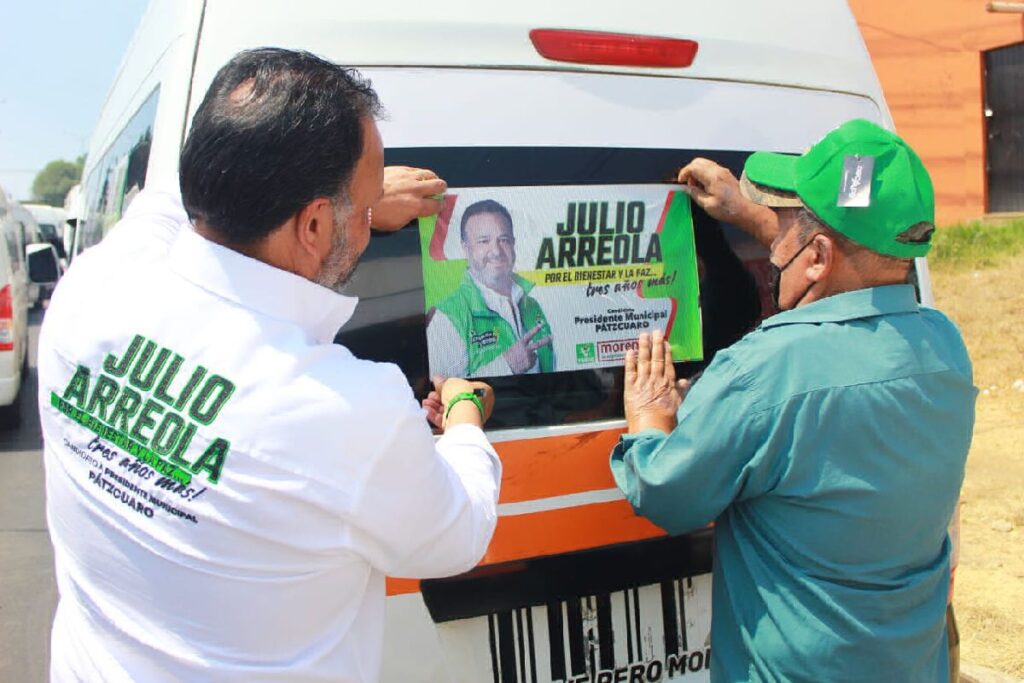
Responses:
[775,277]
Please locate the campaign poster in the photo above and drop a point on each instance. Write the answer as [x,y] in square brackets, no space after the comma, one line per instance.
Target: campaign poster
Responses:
[557,278]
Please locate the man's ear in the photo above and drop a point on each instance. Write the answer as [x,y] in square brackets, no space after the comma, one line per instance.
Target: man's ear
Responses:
[305,239]
[313,225]
[825,251]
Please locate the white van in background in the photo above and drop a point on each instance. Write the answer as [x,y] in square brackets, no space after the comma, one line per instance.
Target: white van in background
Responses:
[50,220]
[574,586]
[16,224]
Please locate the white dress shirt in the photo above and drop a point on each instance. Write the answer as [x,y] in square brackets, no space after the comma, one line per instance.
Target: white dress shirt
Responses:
[269,564]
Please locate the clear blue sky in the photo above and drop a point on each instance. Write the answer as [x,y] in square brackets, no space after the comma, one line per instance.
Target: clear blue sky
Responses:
[57,61]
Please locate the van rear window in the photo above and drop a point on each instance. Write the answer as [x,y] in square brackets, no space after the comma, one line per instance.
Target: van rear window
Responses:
[576,375]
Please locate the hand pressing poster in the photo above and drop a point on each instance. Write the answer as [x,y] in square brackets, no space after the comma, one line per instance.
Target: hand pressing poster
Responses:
[559,278]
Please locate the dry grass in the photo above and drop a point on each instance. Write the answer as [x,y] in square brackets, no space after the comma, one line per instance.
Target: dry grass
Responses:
[988,305]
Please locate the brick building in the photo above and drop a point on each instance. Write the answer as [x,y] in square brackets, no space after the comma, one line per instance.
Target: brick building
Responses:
[953,75]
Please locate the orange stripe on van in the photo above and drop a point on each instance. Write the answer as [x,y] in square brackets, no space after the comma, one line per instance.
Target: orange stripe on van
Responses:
[554,532]
[401,586]
[563,531]
[556,465]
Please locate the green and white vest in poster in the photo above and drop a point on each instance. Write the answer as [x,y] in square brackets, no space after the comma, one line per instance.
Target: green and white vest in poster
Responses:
[487,335]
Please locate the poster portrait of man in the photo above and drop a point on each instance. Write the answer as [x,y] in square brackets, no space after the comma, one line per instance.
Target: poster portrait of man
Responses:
[490,325]
[553,279]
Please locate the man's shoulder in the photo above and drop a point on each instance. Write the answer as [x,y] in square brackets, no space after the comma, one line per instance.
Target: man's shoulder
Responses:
[346,386]
[940,323]
[946,337]
[765,347]
[795,359]
[772,364]
[146,231]
[318,403]
[103,283]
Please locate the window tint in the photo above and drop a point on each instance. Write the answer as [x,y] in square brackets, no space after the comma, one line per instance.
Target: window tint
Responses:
[389,323]
[119,175]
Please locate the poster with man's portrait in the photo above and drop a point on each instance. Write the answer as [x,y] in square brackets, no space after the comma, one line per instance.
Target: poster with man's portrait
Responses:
[559,278]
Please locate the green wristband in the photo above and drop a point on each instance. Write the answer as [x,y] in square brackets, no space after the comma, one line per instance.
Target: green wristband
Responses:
[464,396]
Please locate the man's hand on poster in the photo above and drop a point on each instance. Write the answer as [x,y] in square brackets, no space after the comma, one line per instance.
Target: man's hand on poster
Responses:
[716,190]
[651,395]
[522,355]
[409,193]
[463,412]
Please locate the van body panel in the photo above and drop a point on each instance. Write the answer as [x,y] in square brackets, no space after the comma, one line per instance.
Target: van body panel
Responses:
[557,109]
[50,219]
[816,45]
[159,54]
[158,63]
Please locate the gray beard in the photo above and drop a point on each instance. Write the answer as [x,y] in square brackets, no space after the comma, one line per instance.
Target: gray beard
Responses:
[339,265]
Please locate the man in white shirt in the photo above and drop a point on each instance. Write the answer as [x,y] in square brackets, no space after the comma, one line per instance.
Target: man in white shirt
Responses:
[227,488]
[489,326]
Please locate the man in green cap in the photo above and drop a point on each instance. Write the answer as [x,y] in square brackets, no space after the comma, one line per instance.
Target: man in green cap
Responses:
[828,445]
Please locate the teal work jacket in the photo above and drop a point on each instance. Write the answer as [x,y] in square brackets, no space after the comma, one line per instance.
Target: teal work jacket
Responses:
[829,446]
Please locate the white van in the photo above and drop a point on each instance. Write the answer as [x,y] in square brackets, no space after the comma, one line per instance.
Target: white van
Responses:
[574,586]
[50,220]
[16,224]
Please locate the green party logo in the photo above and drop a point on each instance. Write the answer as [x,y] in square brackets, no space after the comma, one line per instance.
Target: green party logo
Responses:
[586,353]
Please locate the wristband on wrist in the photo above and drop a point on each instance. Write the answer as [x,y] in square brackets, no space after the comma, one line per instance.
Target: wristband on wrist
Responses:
[464,396]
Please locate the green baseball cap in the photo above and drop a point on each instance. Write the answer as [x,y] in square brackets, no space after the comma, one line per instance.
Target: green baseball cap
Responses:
[860,180]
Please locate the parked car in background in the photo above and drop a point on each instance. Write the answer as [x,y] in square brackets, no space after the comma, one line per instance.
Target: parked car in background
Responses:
[27,232]
[44,269]
[15,225]
[51,221]
[25,224]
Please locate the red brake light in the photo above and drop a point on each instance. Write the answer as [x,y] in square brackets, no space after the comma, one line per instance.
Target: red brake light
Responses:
[6,320]
[617,49]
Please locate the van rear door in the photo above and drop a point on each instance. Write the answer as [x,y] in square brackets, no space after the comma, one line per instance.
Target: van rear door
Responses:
[574,586]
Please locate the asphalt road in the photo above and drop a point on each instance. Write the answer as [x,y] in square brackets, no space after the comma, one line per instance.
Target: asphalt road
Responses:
[28,594]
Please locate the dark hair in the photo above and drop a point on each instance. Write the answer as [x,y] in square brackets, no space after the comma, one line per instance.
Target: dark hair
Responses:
[484,206]
[276,130]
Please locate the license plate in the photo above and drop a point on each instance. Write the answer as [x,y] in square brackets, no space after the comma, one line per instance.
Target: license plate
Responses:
[659,632]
